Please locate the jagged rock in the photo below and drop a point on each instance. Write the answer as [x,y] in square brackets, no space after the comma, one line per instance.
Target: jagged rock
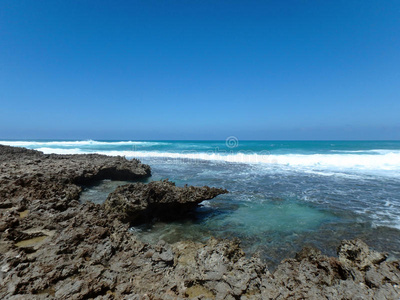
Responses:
[358,273]
[28,174]
[54,247]
[357,253]
[136,203]
[310,253]
[217,270]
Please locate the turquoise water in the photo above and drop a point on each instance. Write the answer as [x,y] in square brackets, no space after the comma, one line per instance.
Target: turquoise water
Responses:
[283,194]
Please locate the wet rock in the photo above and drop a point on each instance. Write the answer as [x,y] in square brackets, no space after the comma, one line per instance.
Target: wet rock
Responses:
[162,200]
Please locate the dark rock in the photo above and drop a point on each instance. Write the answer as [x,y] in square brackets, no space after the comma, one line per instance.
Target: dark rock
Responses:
[310,253]
[162,200]
[5,204]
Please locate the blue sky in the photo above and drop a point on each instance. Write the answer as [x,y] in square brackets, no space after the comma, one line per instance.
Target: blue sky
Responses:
[200,69]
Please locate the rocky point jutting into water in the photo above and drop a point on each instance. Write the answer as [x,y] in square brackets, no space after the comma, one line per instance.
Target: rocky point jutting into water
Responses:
[161,200]
[54,247]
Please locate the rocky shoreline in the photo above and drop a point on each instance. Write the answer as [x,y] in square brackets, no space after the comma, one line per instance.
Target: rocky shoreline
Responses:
[54,247]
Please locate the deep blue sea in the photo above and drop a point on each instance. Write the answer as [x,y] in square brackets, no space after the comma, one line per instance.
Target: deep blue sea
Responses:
[283,194]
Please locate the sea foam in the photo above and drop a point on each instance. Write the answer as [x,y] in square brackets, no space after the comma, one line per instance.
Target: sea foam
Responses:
[390,161]
[35,144]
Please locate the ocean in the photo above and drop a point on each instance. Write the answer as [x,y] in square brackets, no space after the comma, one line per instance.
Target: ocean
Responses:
[284,195]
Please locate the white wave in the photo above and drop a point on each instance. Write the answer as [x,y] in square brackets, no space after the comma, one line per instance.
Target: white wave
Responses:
[317,162]
[206,203]
[385,218]
[328,174]
[61,151]
[390,161]
[35,144]
[377,151]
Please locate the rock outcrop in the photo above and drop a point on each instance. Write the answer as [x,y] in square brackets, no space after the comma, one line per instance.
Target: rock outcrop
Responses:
[161,200]
[54,247]
[28,174]
[357,273]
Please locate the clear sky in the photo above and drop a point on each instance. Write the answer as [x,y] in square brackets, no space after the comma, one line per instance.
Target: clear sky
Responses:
[200,69]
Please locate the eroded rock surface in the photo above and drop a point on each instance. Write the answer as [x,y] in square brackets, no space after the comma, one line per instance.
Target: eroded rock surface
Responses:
[28,174]
[350,276]
[137,202]
[54,247]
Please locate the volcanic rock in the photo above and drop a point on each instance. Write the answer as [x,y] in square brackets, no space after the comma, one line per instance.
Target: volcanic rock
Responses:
[54,247]
[162,200]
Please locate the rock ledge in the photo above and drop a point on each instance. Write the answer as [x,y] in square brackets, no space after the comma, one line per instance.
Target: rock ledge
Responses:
[161,200]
